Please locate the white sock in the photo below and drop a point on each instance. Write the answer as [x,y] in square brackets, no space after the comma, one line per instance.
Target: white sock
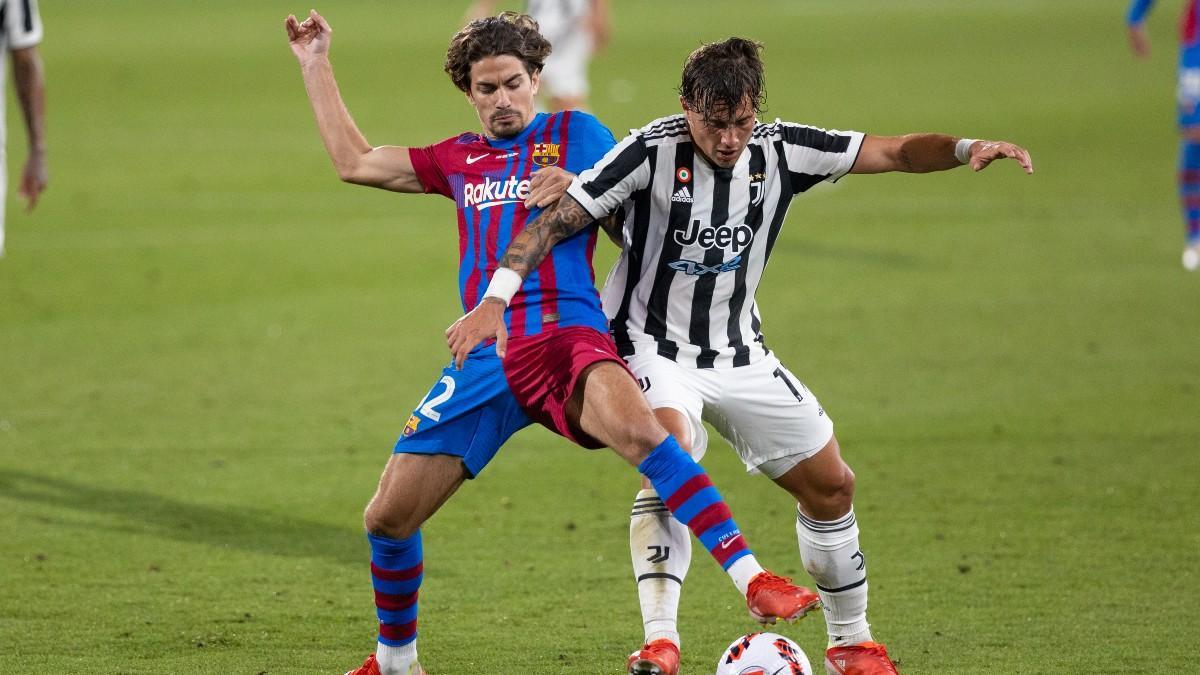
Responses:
[396,660]
[661,549]
[743,570]
[830,552]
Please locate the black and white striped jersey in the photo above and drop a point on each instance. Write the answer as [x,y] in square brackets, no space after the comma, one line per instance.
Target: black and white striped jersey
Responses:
[20,28]
[20,23]
[697,238]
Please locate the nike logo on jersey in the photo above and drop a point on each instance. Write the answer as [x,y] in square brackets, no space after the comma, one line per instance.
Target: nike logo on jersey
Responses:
[472,159]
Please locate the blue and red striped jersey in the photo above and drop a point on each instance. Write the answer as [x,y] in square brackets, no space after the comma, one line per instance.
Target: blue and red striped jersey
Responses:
[488,180]
[1189,28]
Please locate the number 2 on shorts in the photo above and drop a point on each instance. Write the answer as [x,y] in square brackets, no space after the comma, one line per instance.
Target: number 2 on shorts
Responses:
[426,407]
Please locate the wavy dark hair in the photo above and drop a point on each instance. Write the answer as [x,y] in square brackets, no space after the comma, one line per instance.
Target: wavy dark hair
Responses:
[717,77]
[508,33]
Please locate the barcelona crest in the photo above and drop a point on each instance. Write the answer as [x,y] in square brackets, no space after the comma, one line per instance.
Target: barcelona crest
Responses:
[545,154]
[410,428]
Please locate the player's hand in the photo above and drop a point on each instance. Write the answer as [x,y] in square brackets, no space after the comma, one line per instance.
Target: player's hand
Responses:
[309,39]
[986,152]
[1139,41]
[547,186]
[484,322]
[34,178]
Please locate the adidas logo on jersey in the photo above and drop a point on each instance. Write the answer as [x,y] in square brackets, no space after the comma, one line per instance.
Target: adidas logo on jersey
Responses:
[682,195]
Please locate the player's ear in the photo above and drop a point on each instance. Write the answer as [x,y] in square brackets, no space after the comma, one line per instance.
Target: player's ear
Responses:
[535,80]
[683,104]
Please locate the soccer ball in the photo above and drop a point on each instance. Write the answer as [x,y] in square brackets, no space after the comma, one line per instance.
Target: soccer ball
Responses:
[764,654]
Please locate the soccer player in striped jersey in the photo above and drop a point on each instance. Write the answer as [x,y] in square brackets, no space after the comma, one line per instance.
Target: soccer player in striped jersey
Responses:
[20,34]
[560,367]
[704,196]
[1188,98]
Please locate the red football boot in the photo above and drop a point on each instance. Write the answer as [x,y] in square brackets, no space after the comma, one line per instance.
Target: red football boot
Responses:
[772,597]
[660,657]
[867,658]
[369,667]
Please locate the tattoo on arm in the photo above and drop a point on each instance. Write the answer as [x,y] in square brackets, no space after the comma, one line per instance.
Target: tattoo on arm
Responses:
[530,247]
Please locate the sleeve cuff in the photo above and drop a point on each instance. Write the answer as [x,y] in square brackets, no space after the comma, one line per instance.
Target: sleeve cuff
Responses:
[852,153]
[594,209]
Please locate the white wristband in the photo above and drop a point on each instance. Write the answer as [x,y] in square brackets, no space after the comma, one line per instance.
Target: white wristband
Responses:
[504,285]
[962,150]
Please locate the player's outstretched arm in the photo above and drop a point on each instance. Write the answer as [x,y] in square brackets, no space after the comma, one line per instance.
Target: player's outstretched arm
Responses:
[923,153]
[387,167]
[524,254]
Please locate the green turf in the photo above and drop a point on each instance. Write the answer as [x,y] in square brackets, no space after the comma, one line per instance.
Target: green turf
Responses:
[208,346]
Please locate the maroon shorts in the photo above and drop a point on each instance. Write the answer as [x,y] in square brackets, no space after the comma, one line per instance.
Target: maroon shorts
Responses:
[542,371]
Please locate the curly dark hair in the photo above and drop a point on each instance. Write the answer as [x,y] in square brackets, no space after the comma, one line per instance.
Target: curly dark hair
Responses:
[717,77]
[508,33]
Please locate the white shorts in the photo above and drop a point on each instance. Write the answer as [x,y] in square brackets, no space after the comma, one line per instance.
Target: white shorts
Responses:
[564,24]
[767,414]
[565,72]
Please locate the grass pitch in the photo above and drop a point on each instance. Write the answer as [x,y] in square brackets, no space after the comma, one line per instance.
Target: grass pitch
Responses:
[208,346]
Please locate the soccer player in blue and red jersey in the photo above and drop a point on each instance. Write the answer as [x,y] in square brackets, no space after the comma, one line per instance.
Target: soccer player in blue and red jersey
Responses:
[1188,96]
[556,364]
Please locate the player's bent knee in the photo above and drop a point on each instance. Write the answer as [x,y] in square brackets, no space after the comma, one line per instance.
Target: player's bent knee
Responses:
[639,438]
[394,526]
[840,494]
[383,522]
[824,494]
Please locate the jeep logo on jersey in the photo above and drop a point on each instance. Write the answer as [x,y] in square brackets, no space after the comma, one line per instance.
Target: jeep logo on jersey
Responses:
[715,237]
[491,193]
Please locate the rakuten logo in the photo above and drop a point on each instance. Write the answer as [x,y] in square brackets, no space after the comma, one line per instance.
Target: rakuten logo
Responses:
[495,192]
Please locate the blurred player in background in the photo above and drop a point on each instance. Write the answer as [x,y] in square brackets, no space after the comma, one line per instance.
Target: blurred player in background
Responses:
[1187,94]
[21,32]
[577,29]
[560,367]
[704,196]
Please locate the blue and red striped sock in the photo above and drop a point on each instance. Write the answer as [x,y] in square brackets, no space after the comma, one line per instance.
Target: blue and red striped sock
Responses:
[396,575]
[684,487]
[1189,188]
